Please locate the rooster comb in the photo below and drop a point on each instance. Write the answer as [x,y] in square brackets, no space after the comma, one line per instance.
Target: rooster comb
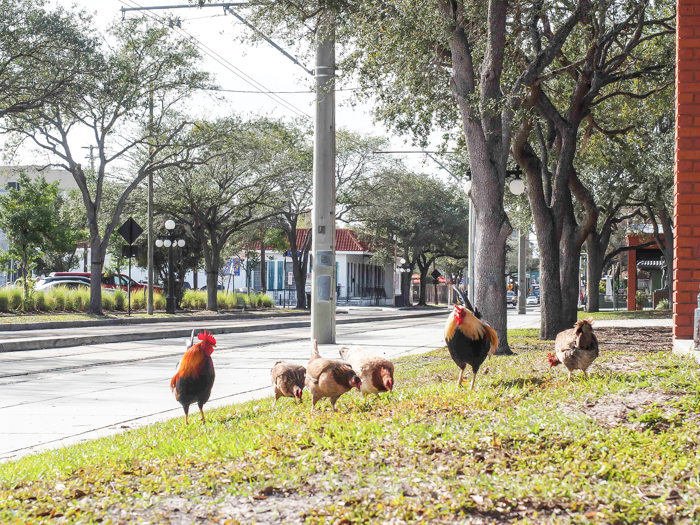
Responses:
[207,336]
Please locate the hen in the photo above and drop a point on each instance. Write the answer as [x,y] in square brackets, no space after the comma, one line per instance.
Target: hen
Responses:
[328,378]
[376,373]
[195,375]
[469,339]
[288,380]
[576,347]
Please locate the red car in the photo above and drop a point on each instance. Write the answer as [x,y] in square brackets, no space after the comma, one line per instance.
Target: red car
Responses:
[118,281]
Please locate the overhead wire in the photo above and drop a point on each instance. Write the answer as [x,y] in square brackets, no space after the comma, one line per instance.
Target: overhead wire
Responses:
[226,64]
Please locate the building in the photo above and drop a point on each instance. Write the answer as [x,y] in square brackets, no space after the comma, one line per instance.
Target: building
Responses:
[359,280]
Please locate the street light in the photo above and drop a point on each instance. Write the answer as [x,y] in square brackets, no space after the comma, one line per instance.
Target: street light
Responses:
[168,241]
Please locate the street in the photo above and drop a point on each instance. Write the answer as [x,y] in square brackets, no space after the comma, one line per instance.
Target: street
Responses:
[50,398]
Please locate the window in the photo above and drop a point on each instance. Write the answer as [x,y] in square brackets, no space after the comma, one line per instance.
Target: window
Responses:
[13,185]
[280,275]
[271,275]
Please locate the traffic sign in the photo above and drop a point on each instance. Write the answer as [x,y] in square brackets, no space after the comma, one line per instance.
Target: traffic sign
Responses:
[130,230]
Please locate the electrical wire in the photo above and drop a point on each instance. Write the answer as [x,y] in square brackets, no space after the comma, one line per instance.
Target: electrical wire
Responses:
[226,64]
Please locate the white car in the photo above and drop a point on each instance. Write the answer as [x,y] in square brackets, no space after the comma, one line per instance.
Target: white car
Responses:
[532,300]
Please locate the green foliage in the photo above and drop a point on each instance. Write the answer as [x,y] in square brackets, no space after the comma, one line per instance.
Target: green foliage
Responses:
[120,300]
[641,298]
[30,219]
[663,304]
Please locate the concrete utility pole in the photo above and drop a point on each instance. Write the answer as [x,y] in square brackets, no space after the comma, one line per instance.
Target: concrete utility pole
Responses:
[151,240]
[522,272]
[323,215]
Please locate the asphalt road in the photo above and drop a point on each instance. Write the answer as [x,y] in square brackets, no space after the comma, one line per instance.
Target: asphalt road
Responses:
[50,398]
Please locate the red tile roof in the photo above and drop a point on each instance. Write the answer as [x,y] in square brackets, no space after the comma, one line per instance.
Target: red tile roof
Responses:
[345,240]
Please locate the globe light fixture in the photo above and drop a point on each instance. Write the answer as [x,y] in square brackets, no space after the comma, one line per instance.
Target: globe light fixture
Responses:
[167,243]
[517,186]
[170,224]
[181,243]
[402,261]
[159,243]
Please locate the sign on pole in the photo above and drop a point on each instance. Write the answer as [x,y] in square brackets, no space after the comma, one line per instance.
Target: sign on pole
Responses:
[130,230]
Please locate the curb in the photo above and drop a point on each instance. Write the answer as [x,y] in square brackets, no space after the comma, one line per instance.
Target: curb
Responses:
[42,343]
[51,325]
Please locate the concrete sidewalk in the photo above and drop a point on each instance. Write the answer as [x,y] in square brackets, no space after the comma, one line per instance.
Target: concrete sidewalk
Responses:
[88,335]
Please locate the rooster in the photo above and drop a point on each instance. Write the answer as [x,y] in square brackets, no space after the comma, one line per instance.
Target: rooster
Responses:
[376,373]
[576,348]
[469,339]
[329,378]
[195,375]
[288,380]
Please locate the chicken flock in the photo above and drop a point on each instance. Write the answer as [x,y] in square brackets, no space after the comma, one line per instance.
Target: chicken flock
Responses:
[469,339]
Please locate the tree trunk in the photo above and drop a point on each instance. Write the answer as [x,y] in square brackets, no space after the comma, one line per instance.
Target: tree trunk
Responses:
[97,253]
[569,278]
[594,266]
[422,287]
[212,286]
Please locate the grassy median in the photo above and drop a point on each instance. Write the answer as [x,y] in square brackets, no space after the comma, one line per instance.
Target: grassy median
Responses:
[526,447]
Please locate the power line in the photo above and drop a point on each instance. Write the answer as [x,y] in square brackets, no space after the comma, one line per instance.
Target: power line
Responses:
[229,66]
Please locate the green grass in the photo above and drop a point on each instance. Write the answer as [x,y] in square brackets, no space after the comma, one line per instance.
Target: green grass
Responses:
[621,314]
[518,449]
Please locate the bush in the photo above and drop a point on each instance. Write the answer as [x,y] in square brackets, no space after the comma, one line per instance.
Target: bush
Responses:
[138,300]
[641,298]
[119,300]
[663,304]
[59,296]
[158,301]
[81,299]
[40,302]
[15,299]
[70,301]
[107,301]
[4,301]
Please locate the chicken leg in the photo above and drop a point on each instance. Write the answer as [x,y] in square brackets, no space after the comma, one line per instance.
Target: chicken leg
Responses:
[570,375]
[473,380]
[459,381]
[585,374]
[201,411]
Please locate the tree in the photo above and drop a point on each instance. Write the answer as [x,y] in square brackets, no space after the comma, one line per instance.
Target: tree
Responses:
[619,49]
[30,218]
[232,191]
[144,68]
[43,54]
[425,218]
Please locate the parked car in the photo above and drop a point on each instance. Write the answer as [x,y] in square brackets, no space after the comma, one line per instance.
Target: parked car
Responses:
[41,281]
[117,281]
[532,300]
[218,287]
[511,298]
[72,284]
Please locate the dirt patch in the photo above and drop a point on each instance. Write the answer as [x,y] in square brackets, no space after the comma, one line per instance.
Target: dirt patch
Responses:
[624,409]
[646,340]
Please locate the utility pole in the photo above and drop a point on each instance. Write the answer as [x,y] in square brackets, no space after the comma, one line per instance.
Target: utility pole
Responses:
[151,240]
[522,272]
[323,215]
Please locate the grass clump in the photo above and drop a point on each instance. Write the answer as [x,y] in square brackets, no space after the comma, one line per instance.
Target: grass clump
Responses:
[525,447]
[622,314]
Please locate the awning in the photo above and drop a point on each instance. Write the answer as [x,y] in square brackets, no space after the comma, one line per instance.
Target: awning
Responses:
[650,265]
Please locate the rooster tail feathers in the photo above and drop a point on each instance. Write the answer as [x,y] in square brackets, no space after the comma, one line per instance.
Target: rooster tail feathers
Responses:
[491,335]
[173,381]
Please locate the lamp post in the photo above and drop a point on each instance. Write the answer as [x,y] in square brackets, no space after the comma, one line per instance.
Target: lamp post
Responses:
[168,240]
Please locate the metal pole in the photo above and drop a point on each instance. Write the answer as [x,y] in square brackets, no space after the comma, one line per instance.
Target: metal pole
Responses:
[128,288]
[522,273]
[323,218]
[170,301]
[151,240]
[472,233]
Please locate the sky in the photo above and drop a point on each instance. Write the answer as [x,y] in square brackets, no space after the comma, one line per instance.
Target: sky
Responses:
[245,70]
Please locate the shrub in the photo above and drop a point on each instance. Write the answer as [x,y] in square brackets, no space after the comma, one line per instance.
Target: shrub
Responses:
[138,300]
[267,301]
[158,301]
[40,302]
[107,301]
[119,300]
[641,298]
[59,296]
[81,299]
[663,304]
[4,301]
[221,300]
[70,303]
[15,299]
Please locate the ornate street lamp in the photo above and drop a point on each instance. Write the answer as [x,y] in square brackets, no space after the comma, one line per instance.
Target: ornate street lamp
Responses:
[168,240]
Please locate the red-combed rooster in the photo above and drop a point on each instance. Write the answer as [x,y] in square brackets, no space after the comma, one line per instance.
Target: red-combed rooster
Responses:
[195,374]
[469,339]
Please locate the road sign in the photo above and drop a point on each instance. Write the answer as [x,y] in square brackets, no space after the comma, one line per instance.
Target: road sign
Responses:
[290,277]
[435,274]
[129,251]
[130,230]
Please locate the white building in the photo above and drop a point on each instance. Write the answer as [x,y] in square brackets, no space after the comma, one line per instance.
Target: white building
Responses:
[359,280]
